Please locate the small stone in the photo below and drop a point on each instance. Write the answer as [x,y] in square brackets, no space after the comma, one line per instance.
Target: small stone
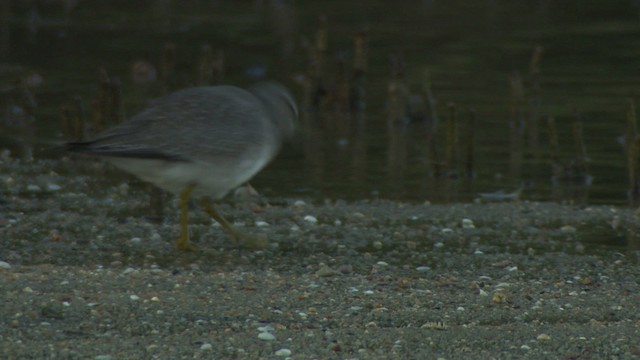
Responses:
[129,270]
[260,223]
[284,352]
[53,187]
[103,357]
[499,298]
[299,204]
[382,263]
[423,268]
[326,271]
[5,265]
[468,224]
[525,347]
[311,219]
[266,336]
[266,328]
[543,337]
[33,188]
[377,245]
[206,347]
[568,229]
[134,297]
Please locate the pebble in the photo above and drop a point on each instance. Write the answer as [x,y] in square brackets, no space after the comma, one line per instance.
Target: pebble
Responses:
[129,270]
[326,271]
[5,265]
[543,337]
[311,219]
[260,223]
[423,268]
[266,328]
[134,297]
[136,240]
[33,188]
[206,347]
[299,203]
[53,187]
[468,224]
[284,352]
[266,336]
[103,357]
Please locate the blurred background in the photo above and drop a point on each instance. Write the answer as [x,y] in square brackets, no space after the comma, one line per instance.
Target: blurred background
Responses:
[431,100]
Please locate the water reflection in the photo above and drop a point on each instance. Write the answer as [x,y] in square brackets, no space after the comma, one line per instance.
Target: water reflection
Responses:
[409,101]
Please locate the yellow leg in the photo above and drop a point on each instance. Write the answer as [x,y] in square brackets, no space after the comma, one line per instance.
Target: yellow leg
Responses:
[183,242]
[253,241]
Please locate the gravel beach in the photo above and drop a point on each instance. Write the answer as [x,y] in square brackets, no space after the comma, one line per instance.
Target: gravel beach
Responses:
[84,274]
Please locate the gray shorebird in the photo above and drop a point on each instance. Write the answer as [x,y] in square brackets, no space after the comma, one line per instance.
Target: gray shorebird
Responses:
[201,142]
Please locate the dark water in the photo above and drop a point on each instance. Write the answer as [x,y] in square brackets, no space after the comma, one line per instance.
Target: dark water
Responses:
[471,50]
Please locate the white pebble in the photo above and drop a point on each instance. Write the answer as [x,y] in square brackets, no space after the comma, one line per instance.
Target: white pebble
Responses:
[423,268]
[136,240]
[310,219]
[206,347]
[468,224]
[53,187]
[478,252]
[266,336]
[299,203]
[265,328]
[33,188]
[129,270]
[284,352]
[5,265]
[134,297]
[261,223]
[382,263]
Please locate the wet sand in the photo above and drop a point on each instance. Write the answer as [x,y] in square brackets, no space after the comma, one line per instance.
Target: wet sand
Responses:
[85,274]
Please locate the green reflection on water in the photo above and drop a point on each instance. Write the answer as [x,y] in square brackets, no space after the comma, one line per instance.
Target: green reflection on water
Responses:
[470,48]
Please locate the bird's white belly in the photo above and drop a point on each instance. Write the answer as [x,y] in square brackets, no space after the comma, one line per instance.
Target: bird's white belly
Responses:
[213,180]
